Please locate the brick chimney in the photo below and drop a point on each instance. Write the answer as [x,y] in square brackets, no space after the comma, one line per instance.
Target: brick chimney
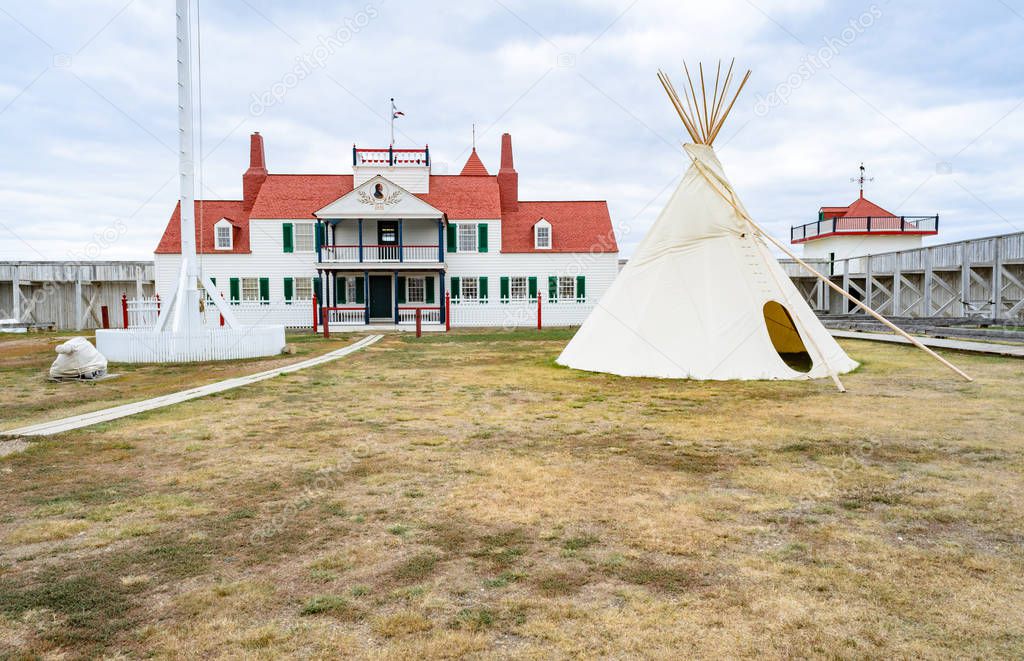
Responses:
[254,177]
[508,178]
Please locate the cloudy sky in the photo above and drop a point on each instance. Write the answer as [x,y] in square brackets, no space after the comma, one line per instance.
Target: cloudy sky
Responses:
[927,93]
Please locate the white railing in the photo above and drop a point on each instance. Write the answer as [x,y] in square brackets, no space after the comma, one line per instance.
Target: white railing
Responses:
[339,253]
[407,315]
[418,253]
[379,253]
[350,316]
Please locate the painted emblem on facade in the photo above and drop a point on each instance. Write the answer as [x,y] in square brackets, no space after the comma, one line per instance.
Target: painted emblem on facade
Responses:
[380,197]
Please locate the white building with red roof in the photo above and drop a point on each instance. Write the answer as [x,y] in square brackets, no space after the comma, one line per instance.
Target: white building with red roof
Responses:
[859,229]
[372,246]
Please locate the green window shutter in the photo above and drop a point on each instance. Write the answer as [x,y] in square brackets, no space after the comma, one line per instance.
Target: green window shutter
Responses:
[430,289]
[481,233]
[288,289]
[504,288]
[821,216]
[236,290]
[264,290]
[318,290]
[483,287]
[342,284]
[581,288]
[401,290]
[360,289]
[533,287]
[318,234]
[456,292]
[452,245]
[213,280]
[288,231]
[552,288]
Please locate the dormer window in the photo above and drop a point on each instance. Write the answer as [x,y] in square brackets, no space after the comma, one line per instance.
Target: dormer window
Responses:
[223,235]
[542,235]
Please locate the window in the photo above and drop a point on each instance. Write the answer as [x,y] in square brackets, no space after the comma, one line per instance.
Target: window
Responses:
[250,289]
[566,287]
[351,294]
[223,235]
[416,290]
[470,288]
[518,288]
[304,237]
[542,235]
[304,289]
[467,237]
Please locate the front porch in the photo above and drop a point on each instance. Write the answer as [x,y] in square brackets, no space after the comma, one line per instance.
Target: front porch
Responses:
[381,300]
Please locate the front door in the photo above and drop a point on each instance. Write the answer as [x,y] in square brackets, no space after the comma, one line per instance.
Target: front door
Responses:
[380,297]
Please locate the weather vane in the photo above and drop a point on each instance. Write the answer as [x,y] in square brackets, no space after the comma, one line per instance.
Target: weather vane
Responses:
[861,179]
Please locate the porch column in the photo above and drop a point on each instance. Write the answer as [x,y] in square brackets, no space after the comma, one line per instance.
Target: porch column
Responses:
[366,283]
[440,289]
[401,253]
[395,287]
[440,239]
[361,241]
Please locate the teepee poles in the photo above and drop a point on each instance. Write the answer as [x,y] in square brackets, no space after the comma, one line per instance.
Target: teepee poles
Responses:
[703,121]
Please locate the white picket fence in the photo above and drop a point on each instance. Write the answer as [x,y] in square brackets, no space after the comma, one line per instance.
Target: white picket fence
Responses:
[518,314]
[142,313]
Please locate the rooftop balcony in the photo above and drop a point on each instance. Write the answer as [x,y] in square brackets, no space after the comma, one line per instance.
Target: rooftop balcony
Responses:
[391,157]
[882,225]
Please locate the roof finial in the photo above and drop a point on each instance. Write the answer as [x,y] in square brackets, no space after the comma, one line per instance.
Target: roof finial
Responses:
[861,179]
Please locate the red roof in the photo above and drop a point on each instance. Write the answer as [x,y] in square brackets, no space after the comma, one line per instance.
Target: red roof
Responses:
[575,227]
[474,167]
[212,211]
[861,208]
[299,195]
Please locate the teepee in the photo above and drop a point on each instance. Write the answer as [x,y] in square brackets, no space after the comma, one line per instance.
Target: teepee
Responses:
[703,297]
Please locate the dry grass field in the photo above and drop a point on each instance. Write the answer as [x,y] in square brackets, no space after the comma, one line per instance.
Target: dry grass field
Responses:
[461,495]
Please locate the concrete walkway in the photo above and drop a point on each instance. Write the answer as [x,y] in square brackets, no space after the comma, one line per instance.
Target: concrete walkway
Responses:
[1013,350]
[105,415]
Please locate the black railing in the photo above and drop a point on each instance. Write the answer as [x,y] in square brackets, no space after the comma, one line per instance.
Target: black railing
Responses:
[865,224]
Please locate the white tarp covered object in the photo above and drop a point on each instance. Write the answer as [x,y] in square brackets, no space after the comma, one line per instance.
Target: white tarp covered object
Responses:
[703,298]
[77,359]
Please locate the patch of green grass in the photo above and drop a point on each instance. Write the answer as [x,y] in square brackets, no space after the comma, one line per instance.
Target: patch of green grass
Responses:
[399,530]
[555,583]
[502,579]
[579,543]
[416,568]
[473,619]
[329,604]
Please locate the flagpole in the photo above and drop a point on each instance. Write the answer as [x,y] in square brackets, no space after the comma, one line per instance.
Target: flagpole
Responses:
[393,121]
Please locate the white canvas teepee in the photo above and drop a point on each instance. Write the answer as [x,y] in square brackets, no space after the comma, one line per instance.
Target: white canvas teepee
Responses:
[703,297]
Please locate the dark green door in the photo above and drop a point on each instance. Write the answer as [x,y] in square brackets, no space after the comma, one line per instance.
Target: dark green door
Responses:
[380,297]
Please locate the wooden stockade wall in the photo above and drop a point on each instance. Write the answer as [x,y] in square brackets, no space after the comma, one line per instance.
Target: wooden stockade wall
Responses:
[981,278]
[70,295]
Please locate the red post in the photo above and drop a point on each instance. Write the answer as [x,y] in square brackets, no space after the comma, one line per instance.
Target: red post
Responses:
[105,316]
[158,303]
[124,309]
[327,329]
[222,316]
[539,324]
[447,311]
[419,322]
[314,315]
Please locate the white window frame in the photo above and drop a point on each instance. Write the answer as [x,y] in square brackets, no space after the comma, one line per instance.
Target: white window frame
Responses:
[524,282]
[571,280]
[307,283]
[223,223]
[421,283]
[463,289]
[476,237]
[250,284]
[307,231]
[542,224]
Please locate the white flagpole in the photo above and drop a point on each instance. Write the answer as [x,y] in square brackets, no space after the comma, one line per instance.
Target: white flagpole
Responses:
[393,109]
